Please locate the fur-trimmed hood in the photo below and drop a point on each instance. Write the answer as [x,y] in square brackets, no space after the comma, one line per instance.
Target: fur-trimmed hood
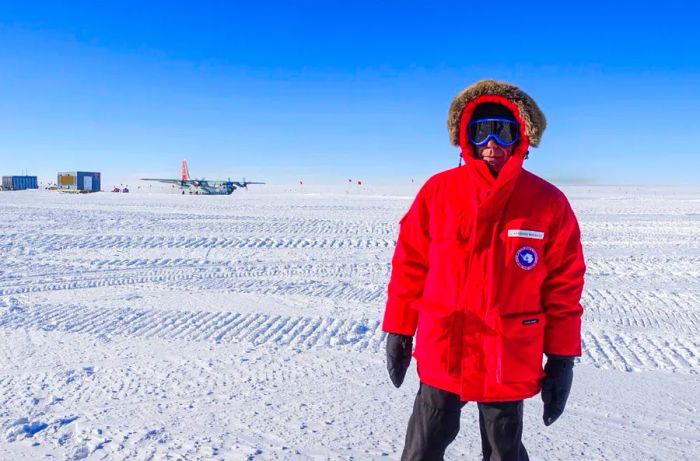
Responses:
[529,114]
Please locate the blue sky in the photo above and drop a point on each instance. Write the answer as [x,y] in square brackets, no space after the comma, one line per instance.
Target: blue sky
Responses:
[323,91]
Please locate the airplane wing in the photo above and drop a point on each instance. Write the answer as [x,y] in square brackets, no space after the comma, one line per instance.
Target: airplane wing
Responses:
[167,181]
[245,183]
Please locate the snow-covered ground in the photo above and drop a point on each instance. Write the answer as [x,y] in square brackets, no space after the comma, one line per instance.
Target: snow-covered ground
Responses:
[247,327]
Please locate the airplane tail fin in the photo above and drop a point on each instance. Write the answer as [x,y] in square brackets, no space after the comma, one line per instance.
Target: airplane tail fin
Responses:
[185,171]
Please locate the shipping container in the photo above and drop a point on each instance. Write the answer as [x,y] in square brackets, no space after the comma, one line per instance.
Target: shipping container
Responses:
[67,180]
[79,181]
[89,181]
[19,182]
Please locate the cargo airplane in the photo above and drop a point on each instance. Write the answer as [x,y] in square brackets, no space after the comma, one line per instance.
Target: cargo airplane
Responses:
[203,186]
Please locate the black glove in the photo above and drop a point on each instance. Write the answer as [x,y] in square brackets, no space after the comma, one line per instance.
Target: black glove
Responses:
[398,356]
[559,374]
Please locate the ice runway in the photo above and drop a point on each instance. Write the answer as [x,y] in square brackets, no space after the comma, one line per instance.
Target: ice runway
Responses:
[248,327]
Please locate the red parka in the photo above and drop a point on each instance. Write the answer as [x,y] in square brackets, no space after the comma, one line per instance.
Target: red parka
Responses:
[488,272]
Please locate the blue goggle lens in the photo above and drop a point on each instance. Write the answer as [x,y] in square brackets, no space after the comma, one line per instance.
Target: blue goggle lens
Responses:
[505,132]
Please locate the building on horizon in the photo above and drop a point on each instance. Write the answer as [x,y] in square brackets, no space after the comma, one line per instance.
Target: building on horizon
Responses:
[79,181]
[19,182]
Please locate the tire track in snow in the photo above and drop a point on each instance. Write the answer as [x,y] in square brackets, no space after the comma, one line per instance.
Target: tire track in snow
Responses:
[631,309]
[189,224]
[644,267]
[255,328]
[311,283]
[630,267]
[60,242]
[86,278]
[643,310]
[602,348]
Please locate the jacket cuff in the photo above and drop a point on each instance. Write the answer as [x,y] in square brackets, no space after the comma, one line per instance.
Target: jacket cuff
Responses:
[563,337]
[399,318]
[561,357]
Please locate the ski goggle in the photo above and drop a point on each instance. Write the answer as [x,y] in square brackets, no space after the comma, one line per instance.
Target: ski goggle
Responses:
[505,132]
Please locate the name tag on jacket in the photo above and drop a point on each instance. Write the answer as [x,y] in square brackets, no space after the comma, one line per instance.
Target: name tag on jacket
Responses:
[529,234]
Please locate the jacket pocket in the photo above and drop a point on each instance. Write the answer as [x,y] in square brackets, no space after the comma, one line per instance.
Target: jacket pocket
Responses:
[522,347]
[437,335]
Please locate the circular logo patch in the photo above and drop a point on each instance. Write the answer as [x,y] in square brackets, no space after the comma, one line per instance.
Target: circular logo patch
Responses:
[526,257]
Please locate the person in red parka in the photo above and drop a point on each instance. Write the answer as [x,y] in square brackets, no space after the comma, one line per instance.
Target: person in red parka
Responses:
[488,275]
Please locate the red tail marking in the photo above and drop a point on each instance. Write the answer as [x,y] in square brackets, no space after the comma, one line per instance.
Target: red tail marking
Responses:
[185,171]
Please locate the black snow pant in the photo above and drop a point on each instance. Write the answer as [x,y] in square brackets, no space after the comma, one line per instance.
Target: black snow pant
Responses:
[434,424]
